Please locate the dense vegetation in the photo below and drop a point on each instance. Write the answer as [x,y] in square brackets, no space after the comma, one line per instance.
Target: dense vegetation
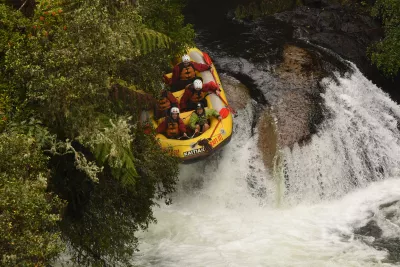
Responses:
[386,53]
[76,168]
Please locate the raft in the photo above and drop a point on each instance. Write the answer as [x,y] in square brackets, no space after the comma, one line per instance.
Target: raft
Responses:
[219,133]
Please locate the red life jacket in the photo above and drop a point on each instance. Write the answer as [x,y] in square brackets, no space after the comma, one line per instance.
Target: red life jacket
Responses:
[188,72]
[172,127]
[197,96]
[164,104]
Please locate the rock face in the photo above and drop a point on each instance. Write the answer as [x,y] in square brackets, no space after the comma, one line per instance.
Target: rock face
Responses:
[267,140]
[334,27]
[299,72]
[238,94]
[288,121]
[344,31]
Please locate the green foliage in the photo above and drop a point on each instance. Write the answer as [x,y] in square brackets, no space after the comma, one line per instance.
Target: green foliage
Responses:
[165,17]
[148,40]
[57,66]
[386,53]
[29,235]
[111,145]
[11,24]
[65,73]
[105,232]
[4,110]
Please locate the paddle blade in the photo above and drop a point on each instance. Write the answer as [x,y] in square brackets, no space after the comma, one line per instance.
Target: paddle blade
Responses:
[207,58]
[224,112]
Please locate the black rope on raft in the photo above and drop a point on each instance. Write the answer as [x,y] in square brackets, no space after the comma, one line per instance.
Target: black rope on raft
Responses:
[204,143]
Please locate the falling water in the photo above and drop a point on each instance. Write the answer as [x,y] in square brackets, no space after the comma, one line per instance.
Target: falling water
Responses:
[358,143]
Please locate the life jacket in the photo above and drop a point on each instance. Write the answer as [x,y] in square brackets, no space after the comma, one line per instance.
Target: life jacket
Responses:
[164,104]
[197,96]
[172,127]
[188,72]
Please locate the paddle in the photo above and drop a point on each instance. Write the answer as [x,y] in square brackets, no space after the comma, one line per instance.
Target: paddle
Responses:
[194,134]
[207,59]
[224,112]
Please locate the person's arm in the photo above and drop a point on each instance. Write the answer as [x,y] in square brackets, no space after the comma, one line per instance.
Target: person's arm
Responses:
[175,74]
[172,99]
[212,112]
[193,120]
[210,86]
[182,126]
[200,66]
[185,98]
[162,127]
[167,80]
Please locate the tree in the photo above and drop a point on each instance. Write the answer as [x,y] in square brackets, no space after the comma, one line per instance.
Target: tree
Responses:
[29,235]
[59,67]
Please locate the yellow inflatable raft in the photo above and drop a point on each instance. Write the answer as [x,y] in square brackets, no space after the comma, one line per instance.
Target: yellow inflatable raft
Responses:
[219,133]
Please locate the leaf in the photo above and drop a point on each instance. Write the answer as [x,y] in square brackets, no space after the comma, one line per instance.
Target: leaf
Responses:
[101,152]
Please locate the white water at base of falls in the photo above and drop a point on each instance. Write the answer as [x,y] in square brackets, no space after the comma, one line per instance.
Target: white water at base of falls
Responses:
[228,211]
[317,235]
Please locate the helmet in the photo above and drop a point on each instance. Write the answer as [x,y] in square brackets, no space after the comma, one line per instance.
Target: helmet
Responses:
[185,59]
[198,84]
[199,105]
[174,110]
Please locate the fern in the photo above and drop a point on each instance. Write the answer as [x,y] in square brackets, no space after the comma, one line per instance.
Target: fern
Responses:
[148,40]
[127,172]
[101,152]
[112,146]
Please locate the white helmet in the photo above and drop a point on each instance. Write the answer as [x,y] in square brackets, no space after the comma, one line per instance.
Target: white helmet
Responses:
[174,110]
[198,84]
[185,59]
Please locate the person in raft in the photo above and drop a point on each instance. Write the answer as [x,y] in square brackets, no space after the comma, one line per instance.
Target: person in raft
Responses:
[196,93]
[184,73]
[173,127]
[199,120]
[164,104]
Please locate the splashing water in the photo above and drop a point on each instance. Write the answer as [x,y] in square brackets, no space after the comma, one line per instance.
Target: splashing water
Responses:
[228,211]
[358,144]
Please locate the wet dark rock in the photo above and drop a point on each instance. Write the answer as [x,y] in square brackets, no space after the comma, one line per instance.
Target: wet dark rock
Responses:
[337,28]
[386,205]
[295,115]
[346,32]
[391,215]
[387,218]
[267,141]
[392,246]
[238,94]
[319,3]
[370,229]
[299,74]
[312,3]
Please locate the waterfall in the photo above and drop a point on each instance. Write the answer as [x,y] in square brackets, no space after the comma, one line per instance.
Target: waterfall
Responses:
[357,144]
